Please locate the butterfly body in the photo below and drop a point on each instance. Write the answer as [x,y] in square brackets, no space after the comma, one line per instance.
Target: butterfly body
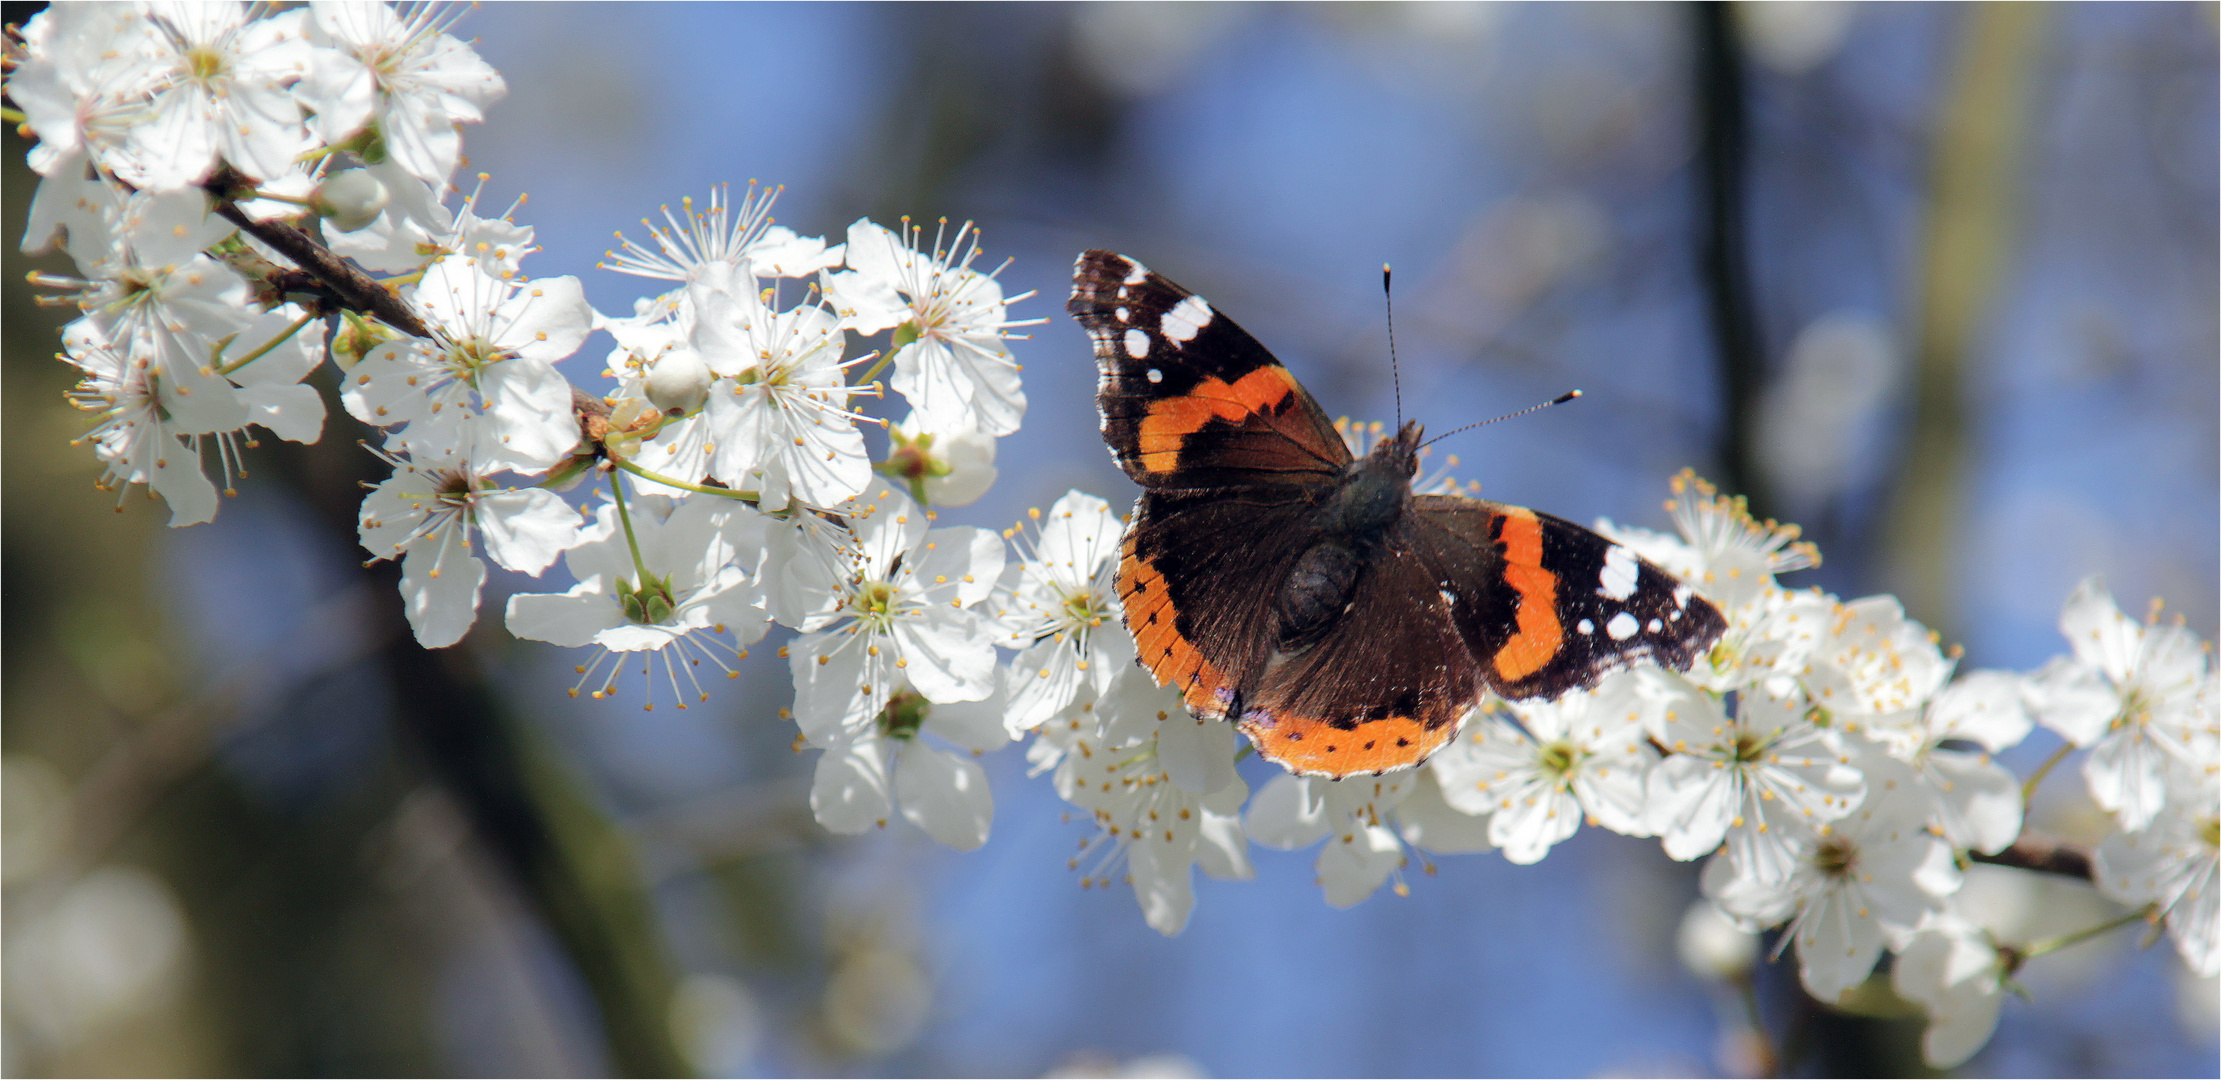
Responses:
[1346,622]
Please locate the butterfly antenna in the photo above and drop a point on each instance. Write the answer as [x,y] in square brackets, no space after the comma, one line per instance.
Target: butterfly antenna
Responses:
[1388,297]
[1559,400]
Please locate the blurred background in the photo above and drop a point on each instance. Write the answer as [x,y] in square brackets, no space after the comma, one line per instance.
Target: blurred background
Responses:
[1936,282]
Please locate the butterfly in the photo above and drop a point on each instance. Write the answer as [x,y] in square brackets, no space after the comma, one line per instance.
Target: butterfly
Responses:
[1346,623]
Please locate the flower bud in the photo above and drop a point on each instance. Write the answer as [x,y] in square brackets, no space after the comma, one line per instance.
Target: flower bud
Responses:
[945,469]
[679,382]
[1712,946]
[350,199]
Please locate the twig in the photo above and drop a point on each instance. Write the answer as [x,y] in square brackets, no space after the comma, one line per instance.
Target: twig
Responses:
[2045,855]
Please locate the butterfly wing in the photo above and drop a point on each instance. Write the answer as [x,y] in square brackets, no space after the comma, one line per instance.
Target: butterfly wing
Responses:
[1547,606]
[1199,574]
[1189,400]
[1383,689]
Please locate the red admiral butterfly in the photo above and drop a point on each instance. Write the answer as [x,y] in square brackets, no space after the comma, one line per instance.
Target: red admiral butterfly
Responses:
[1343,621]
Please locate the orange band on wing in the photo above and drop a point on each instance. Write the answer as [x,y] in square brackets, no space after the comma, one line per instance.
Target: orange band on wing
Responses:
[1173,659]
[1539,636]
[1171,420]
[1316,748]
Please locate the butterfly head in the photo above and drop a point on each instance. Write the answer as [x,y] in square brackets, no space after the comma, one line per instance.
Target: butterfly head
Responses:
[1400,455]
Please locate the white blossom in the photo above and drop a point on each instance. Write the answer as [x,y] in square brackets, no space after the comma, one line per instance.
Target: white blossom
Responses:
[1867,880]
[867,771]
[83,85]
[487,378]
[1581,756]
[719,246]
[900,611]
[1757,780]
[1361,850]
[402,71]
[1161,786]
[2134,695]
[222,87]
[1978,801]
[779,417]
[943,468]
[1953,969]
[951,361]
[1059,609]
[686,594]
[2172,862]
[133,432]
[428,513]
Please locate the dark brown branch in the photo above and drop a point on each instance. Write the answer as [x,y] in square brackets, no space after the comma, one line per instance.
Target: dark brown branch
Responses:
[1722,153]
[354,288]
[2045,855]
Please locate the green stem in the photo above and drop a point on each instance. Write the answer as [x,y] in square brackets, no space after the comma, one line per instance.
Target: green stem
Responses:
[2076,938]
[742,494]
[639,565]
[290,200]
[876,368]
[13,116]
[304,320]
[2028,790]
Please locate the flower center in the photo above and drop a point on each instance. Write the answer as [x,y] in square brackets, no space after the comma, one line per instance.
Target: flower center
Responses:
[1751,746]
[203,64]
[904,715]
[1836,857]
[874,604]
[1559,757]
[468,358]
[1080,609]
[2209,830]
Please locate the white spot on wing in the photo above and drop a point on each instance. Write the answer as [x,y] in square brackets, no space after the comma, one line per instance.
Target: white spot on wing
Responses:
[1135,274]
[1186,319]
[1122,314]
[1585,626]
[1656,626]
[1155,375]
[1448,597]
[1137,344]
[1681,596]
[1617,582]
[1622,626]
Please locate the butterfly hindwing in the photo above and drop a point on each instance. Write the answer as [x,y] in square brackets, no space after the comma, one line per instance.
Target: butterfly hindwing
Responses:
[1547,606]
[1383,689]
[1189,400]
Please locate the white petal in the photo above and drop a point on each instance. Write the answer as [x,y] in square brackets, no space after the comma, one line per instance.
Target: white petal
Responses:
[973,725]
[849,794]
[1430,823]
[1984,706]
[1221,848]
[945,794]
[526,530]
[2127,775]
[950,654]
[573,618]
[1163,885]
[1354,863]
[1198,754]
[439,589]
[1981,800]
[1288,814]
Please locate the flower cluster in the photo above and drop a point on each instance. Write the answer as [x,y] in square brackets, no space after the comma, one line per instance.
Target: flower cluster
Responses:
[226,178]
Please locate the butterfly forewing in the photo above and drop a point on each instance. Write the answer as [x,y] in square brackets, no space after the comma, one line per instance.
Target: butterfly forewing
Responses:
[1189,400]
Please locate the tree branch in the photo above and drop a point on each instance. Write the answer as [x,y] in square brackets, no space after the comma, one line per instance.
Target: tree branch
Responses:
[2045,855]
